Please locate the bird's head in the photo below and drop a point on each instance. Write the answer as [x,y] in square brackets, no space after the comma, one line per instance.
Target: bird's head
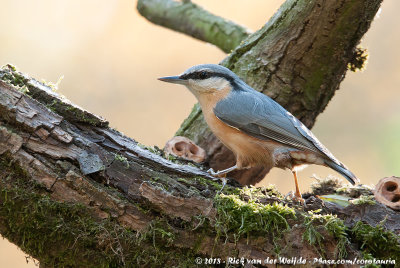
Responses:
[205,78]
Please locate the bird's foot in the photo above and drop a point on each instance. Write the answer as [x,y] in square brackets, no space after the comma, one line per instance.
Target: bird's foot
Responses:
[212,172]
[219,173]
[219,176]
[295,198]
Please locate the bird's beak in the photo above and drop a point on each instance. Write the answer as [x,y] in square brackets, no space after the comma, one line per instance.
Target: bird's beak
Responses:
[173,79]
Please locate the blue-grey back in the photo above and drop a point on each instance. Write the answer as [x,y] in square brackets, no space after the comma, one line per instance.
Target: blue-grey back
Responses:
[260,116]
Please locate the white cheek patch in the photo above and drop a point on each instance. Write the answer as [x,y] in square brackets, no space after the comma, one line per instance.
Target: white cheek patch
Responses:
[209,84]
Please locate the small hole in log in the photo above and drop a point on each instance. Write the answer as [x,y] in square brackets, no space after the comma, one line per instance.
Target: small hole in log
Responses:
[396,198]
[185,148]
[391,186]
[180,146]
[193,149]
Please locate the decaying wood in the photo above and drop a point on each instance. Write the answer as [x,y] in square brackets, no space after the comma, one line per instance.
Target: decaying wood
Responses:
[80,160]
[66,176]
[183,147]
[387,192]
[75,160]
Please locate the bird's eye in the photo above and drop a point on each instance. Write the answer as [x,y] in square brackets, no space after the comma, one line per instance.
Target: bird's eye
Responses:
[203,75]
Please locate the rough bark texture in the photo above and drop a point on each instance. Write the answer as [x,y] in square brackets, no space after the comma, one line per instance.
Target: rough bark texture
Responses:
[75,193]
[298,58]
[188,18]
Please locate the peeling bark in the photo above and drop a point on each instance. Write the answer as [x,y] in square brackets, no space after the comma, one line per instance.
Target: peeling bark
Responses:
[99,168]
[66,176]
[114,203]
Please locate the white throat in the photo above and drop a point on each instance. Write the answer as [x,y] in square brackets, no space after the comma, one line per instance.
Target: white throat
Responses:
[208,85]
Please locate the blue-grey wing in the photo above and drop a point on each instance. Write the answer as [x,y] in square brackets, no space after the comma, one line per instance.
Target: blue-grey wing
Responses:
[259,116]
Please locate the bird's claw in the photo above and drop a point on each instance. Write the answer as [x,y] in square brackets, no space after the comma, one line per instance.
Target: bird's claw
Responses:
[212,172]
[293,197]
[218,177]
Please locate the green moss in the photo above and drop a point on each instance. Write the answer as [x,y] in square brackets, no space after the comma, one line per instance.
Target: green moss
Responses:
[156,150]
[10,67]
[179,160]
[122,159]
[316,76]
[164,233]
[53,86]
[61,234]
[364,200]
[56,104]
[208,182]
[183,180]
[314,223]
[311,234]
[76,114]
[368,256]
[359,60]
[355,191]
[377,241]
[12,77]
[260,192]
[238,218]
[159,184]
[208,185]
[336,227]
[40,225]
[327,185]
[141,145]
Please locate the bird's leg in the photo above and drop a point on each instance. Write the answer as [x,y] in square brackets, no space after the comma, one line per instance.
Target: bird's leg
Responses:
[297,193]
[221,172]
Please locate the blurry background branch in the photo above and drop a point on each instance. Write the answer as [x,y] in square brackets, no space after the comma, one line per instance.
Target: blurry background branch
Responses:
[299,58]
[188,18]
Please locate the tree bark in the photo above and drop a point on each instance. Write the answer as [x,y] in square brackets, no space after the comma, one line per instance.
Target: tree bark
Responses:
[74,192]
[188,18]
[298,58]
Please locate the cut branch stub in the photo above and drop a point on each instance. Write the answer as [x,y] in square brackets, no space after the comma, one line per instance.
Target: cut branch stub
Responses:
[185,148]
[387,192]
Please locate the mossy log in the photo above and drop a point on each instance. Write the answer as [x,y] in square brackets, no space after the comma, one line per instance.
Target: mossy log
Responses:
[76,193]
[299,58]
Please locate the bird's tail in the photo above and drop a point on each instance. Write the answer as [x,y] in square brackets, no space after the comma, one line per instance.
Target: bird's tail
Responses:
[343,170]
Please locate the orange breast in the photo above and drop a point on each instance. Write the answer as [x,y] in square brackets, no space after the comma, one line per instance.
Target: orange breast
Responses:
[249,151]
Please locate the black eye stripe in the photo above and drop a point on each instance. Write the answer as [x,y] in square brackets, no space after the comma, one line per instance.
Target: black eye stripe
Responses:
[205,74]
[199,75]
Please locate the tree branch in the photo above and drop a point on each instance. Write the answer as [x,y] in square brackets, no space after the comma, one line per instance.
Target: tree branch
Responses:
[76,193]
[188,18]
[299,58]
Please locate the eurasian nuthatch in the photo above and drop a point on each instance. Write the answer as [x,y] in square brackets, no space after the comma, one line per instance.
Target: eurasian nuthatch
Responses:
[258,130]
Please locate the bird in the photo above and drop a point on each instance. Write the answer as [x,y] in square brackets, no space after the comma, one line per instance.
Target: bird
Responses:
[257,129]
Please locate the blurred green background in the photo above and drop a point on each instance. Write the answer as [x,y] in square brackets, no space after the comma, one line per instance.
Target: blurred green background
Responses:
[110,58]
